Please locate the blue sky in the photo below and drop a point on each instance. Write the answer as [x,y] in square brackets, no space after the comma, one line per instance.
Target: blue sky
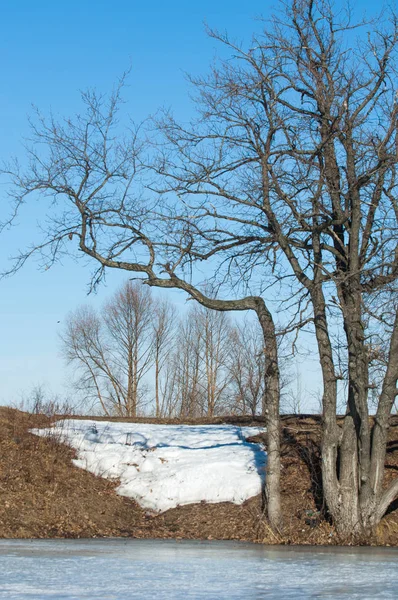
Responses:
[48,52]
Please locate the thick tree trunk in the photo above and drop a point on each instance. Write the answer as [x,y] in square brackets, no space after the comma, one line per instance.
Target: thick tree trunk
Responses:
[358,372]
[382,499]
[330,431]
[272,481]
[353,456]
[340,460]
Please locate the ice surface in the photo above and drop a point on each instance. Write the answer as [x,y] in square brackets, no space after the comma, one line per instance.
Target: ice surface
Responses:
[163,466]
[169,570]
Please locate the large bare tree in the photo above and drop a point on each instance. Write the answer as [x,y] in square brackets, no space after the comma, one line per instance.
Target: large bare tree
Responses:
[292,167]
[287,178]
[100,197]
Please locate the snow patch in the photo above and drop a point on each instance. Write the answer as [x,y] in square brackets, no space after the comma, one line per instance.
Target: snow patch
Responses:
[163,466]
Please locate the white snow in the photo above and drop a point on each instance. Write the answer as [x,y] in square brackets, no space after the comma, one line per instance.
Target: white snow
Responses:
[163,466]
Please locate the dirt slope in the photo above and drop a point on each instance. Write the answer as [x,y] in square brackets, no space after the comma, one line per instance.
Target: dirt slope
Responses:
[43,495]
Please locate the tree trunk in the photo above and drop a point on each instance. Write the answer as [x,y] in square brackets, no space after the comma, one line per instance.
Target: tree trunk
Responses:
[353,456]
[330,431]
[380,429]
[132,387]
[272,386]
[157,403]
[340,477]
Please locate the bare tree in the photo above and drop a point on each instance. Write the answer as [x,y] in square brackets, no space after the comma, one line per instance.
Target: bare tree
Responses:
[193,378]
[212,330]
[169,388]
[199,368]
[129,321]
[187,364]
[113,351]
[291,172]
[247,368]
[164,333]
[85,349]
[289,175]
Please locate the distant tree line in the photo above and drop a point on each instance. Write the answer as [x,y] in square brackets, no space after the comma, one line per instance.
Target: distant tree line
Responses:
[137,355]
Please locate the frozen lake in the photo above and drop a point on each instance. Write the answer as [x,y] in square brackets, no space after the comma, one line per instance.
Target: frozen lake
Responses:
[162,569]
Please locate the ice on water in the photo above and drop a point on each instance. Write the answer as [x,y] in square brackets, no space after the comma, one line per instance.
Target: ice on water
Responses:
[169,570]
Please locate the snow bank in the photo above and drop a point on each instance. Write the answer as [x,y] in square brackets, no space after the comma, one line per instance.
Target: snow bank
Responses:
[163,466]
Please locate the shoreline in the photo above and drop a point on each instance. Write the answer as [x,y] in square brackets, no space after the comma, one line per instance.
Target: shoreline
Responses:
[44,496]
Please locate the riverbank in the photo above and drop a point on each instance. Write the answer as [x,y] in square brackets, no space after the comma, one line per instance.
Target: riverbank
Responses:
[43,495]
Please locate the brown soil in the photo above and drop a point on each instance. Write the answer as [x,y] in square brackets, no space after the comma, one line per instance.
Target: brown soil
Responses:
[43,495]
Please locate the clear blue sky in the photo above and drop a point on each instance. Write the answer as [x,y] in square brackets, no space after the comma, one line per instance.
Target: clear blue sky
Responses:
[49,50]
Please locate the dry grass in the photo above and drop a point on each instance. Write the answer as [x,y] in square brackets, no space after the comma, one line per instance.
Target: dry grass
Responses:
[43,495]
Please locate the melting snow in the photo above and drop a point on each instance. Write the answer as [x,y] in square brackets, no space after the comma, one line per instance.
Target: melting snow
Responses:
[163,466]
